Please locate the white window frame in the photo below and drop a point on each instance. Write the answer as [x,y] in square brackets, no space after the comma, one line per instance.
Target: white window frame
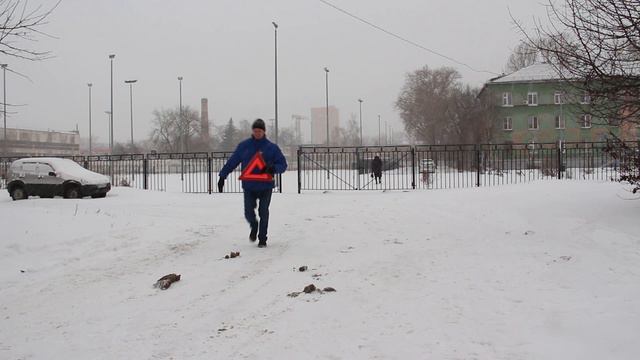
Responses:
[559,122]
[532,96]
[583,121]
[507,99]
[507,123]
[585,98]
[533,119]
[558,98]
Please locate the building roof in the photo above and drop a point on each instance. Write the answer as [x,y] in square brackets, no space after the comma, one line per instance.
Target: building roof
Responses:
[535,72]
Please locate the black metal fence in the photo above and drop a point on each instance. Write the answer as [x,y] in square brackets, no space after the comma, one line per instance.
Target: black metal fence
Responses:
[188,172]
[453,166]
[349,168]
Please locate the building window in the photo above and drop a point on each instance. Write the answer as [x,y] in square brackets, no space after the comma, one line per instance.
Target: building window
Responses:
[506,99]
[532,99]
[585,121]
[533,123]
[507,123]
[586,98]
[558,98]
[559,122]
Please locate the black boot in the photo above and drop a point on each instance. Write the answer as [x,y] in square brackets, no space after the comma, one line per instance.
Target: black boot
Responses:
[254,233]
[262,243]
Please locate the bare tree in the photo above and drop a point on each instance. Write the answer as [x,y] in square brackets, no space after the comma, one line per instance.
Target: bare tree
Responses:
[349,136]
[173,132]
[21,25]
[522,56]
[436,108]
[474,117]
[594,45]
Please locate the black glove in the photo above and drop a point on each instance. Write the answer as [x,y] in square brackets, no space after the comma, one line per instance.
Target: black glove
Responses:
[220,184]
[269,169]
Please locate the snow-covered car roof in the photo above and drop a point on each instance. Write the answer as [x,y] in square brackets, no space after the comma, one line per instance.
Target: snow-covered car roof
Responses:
[67,166]
[55,162]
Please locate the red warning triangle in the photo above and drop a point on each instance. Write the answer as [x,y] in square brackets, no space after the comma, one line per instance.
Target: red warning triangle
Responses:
[256,162]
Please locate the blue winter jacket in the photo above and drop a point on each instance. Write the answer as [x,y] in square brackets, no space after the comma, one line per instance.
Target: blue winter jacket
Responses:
[245,152]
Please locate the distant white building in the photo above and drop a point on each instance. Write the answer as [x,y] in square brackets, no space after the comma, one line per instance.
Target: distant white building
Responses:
[319,124]
[22,142]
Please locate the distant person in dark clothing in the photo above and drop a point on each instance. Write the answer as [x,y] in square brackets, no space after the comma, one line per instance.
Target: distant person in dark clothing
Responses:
[257,183]
[376,169]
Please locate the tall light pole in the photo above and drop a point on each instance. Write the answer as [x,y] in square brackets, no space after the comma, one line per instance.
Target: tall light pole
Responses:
[386,134]
[326,70]
[4,111]
[131,82]
[184,144]
[275,34]
[379,137]
[110,123]
[89,85]
[111,110]
[360,101]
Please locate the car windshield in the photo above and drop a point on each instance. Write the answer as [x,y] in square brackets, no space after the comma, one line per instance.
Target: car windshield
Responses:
[69,166]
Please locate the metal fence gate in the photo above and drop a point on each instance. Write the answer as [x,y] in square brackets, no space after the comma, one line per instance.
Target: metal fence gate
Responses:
[348,168]
[454,166]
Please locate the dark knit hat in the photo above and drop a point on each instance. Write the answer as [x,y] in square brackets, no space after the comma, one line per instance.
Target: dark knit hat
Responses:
[258,124]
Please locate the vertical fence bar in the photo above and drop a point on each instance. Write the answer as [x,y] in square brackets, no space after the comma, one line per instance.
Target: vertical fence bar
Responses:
[209,174]
[478,165]
[559,157]
[413,168]
[299,169]
[145,173]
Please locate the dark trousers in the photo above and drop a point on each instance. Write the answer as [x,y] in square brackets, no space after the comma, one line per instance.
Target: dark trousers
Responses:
[251,199]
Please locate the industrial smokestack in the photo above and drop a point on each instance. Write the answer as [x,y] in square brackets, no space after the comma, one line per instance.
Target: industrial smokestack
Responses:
[204,120]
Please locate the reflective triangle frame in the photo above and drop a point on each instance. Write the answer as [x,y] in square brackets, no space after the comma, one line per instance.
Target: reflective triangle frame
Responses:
[257,161]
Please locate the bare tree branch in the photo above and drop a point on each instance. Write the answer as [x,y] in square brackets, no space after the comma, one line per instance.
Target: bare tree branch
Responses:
[20,24]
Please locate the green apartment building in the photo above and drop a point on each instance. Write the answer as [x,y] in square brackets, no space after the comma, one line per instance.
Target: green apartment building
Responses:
[532,105]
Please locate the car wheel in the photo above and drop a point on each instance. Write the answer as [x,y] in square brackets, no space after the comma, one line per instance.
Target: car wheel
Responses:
[72,192]
[18,193]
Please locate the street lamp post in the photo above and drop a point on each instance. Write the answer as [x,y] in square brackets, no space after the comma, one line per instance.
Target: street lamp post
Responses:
[131,82]
[360,101]
[111,110]
[89,85]
[110,123]
[386,134]
[379,137]
[275,34]
[326,70]
[275,52]
[182,130]
[4,111]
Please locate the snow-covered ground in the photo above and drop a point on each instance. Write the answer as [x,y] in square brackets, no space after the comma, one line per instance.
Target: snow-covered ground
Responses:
[546,270]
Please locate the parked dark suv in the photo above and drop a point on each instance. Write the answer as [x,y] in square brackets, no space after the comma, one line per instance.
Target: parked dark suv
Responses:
[49,177]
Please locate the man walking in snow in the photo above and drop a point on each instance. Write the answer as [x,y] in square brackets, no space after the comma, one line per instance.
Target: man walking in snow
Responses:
[260,159]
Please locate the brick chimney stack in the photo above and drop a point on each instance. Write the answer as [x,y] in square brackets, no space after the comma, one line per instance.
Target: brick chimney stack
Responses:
[204,119]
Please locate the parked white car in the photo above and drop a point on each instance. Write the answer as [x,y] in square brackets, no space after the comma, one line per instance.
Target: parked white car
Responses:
[49,177]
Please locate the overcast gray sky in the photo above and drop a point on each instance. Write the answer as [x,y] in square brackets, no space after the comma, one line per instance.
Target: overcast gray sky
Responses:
[224,50]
